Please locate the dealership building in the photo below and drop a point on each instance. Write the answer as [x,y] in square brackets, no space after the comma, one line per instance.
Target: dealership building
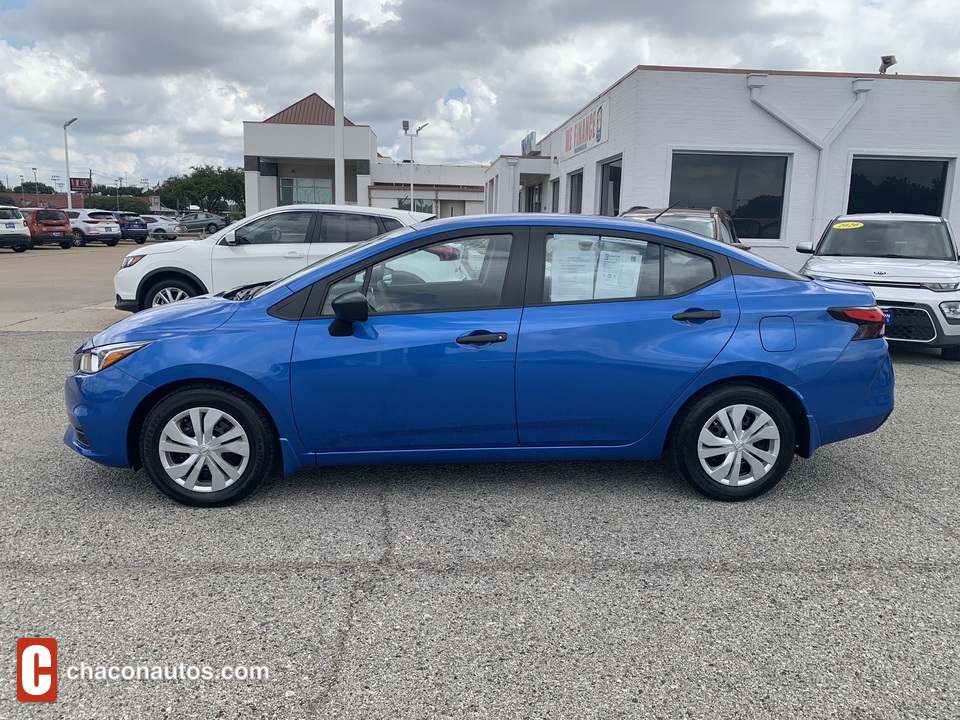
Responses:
[782,152]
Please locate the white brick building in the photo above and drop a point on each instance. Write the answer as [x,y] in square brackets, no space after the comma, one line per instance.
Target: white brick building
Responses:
[783,152]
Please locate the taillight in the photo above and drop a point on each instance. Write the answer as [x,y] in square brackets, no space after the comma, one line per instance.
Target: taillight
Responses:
[91,222]
[871,321]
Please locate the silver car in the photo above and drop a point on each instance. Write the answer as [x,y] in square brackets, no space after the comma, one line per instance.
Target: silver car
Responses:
[911,264]
[163,228]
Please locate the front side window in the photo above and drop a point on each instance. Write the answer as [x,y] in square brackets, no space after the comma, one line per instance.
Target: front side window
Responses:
[590,267]
[285,227]
[464,274]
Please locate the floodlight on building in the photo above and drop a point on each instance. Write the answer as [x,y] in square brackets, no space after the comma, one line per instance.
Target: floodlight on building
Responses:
[886,62]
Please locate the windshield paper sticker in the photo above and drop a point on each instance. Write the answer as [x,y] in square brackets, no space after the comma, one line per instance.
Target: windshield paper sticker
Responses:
[847,225]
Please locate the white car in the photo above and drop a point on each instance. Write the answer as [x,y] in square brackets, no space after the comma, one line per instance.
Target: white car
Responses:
[261,248]
[98,225]
[14,232]
[911,264]
[164,228]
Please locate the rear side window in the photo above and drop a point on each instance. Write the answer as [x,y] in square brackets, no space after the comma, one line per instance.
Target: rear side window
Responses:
[683,271]
[57,215]
[391,223]
[9,214]
[348,227]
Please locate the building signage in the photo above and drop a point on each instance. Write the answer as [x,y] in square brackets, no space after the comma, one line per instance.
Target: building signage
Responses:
[587,131]
[81,185]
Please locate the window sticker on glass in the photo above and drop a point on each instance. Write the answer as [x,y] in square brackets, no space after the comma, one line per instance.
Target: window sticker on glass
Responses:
[573,275]
[847,225]
[618,275]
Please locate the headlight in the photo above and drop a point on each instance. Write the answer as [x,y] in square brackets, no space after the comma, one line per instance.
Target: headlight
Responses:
[941,287]
[94,360]
[130,260]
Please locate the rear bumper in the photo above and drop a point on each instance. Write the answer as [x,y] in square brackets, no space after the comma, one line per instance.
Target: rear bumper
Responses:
[14,240]
[52,237]
[134,233]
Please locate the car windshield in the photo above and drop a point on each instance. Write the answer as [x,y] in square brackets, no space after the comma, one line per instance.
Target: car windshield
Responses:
[333,258]
[889,239]
[699,225]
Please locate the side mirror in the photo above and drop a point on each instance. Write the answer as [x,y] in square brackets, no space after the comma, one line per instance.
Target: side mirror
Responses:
[230,238]
[348,309]
[805,247]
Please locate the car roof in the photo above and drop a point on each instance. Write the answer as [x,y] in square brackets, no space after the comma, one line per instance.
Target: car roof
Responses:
[888,217]
[654,212]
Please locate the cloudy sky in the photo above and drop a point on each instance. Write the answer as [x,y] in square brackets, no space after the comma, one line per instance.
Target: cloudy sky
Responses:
[162,86]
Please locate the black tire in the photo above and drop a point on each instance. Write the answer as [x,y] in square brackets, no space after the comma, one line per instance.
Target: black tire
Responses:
[66,244]
[79,239]
[21,248]
[211,228]
[140,241]
[761,463]
[110,243]
[950,353]
[168,290]
[229,411]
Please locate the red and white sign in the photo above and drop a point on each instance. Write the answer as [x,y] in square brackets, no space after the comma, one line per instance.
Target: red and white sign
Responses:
[586,131]
[36,670]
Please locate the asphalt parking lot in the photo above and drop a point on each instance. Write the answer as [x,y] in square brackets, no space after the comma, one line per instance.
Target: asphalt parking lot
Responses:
[540,590]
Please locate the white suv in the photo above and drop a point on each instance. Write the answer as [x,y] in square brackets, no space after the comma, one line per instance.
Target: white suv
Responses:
[92,224]
[261,248]
[14,232]
[911,264]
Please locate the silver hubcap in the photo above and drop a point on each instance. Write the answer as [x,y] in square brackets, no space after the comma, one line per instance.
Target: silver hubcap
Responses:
[738,445]
[204,449]
[169,295]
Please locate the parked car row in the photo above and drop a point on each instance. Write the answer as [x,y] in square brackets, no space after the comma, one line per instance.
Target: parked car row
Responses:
[24,228]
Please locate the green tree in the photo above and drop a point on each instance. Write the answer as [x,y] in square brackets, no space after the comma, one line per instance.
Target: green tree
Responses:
[126,202]
[30,187]
[206,186]
[6,200]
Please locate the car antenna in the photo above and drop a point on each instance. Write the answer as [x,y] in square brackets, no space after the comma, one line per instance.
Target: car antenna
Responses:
[665,210]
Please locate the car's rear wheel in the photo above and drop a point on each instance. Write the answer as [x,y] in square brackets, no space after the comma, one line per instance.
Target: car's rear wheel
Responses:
[22,247]
[140,241]
[66,244]
[168,290]
[734,443]
[950,353]
[211,228]
[207,446]
[79,239]
[111,243]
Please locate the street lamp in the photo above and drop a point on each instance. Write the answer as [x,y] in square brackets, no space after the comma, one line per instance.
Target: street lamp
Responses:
[412,135]
[119,180]
[36,188]
[66,157]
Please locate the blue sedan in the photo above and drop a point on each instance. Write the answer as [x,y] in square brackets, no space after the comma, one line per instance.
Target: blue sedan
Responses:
[490,338]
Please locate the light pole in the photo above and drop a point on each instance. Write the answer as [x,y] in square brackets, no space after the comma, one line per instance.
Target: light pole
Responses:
[412,135]
[66,157]
[36,188]
[119,180]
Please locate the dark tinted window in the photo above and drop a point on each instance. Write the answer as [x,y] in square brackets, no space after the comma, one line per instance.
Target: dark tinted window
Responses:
[347,227]
[391,223]
[684,271]
[748,187]
[9,214]
[57,215]
[855,238]
[576,193]
[101,216]
[900,186]
[284,227]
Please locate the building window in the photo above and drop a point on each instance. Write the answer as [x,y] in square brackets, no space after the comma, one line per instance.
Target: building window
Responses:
[296,191]
[748,187]
[576,193]
[555,195]
[901,186]
[419,205]
[610,187]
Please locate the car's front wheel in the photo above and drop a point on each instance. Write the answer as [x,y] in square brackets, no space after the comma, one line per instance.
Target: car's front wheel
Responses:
[66,244]
[207,446]
[79,239]
[22,247]
[211,228]
[164,292]
[734,443]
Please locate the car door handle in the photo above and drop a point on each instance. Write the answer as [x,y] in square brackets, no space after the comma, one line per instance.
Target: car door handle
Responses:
[293,256]
[697,315]
[482,338]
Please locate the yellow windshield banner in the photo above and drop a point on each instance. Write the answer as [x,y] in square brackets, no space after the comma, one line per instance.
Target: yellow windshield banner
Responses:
[847,225]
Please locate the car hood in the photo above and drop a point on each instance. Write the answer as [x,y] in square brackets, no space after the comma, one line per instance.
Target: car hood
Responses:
[192,316]
[885,270]
[167,247]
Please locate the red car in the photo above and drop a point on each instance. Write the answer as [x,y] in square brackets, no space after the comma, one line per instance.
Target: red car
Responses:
[48,225]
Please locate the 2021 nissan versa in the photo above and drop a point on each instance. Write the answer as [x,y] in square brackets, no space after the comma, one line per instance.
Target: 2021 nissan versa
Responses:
[490,338]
